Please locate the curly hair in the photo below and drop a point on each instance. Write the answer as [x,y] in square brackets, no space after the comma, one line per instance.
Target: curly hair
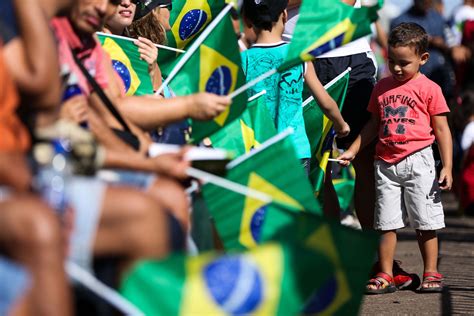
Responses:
[409,34]
[149,27]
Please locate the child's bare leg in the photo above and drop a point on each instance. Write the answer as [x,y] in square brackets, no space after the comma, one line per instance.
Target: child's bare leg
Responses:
[387,246]
[428,243]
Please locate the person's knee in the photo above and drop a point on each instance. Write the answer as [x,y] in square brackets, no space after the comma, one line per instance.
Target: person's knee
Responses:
[37,229]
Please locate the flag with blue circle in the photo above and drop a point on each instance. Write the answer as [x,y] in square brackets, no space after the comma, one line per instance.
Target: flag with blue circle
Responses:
[272,169]
[216,68]
[274,279]
[350,251]
[324,25]
[127,64]
[187,20]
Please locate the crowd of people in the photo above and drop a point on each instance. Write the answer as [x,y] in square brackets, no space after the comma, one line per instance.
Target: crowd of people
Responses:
[48,46]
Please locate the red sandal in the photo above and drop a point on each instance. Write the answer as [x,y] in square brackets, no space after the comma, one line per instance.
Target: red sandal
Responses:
[432,278]
[383,283]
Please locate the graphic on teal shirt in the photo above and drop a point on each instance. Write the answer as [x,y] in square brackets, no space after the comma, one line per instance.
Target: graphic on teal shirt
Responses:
[284,91]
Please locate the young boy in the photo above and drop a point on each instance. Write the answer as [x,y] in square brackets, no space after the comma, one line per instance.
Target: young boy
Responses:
[408,114]
[284,90]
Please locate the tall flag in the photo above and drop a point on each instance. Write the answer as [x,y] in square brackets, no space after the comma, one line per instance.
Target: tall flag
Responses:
[248,132]
[272,169]
[320,132]
[187,19]
[342,293]
[327,24]
[127,63]
[274,279]
[215,67]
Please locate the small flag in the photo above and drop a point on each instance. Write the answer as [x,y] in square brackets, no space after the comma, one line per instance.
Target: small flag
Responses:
[272,169]
[248,132]
[216,68]
[187,19]
[127,63]
[320,132]
[272,279]
[327,24]
[342,292]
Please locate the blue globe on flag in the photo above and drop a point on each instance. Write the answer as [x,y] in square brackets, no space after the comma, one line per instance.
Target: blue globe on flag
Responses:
[123,72]
[220,81]
[257,222]
[192,23]
[235,284]
[323,297]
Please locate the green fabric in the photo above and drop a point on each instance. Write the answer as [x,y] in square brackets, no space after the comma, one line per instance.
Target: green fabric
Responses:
[215,67]
[273,279]
[351,252]
[127,63]
[327,24]
[187,20]
[284,90]
[272,169]
[248,132]
[320,132]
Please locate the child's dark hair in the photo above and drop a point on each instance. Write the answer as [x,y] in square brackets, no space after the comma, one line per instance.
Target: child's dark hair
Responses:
[263,13]
[409,34]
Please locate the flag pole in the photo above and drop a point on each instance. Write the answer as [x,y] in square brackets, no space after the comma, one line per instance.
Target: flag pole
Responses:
[229,185]
[80,275]
[194,47]
[256,96]
[252,83]
[134,39]
[328,85]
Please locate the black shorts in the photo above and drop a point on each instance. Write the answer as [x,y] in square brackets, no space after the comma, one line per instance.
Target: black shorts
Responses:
[361,84]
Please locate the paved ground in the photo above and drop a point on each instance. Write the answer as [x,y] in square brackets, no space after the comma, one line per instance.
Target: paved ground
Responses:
[456,262]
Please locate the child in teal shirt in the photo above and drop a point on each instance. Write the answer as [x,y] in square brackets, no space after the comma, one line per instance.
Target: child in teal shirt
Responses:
[284,90]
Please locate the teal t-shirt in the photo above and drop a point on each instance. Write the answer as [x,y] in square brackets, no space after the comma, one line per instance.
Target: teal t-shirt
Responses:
[284,90]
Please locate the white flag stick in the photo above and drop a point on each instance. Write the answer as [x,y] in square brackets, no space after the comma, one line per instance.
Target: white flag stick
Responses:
[256,96]
[134,39]
[336,160]
[329,84]
[252,83]
[80,275]
[194,47]
[229,185]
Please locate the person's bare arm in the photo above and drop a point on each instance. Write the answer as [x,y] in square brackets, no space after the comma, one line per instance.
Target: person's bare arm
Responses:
[32,58]
[14,171]
[325,102]
[445,145]
[366,136]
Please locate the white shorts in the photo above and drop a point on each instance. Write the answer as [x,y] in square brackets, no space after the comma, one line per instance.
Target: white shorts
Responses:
[408,191]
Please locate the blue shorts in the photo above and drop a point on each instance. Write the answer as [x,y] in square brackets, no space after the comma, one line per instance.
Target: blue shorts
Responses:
[136,179]
[14,281]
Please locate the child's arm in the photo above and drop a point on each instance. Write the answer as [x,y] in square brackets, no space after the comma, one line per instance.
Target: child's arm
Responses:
[366,136]
[445,144]
[325,102]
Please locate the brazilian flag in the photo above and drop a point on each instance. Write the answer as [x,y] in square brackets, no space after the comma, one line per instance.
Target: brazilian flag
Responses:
[127,63]
[187,19]
[248,132]
[327,24]
[215,67]
[319,130]
[350,251]
[274,279]
[272,169]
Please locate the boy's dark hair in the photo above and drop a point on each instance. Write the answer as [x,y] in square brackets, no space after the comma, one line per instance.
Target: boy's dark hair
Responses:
[263,13]
[409,34]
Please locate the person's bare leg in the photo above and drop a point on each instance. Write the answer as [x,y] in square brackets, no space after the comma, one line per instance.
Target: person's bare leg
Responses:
[428,243]
[364,188]
[30,233]
[132,225]
[170,194]
[331,207]
[387,245]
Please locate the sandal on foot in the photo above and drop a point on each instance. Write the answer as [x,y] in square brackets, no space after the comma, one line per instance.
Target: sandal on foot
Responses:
[432,278]
[383,284]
